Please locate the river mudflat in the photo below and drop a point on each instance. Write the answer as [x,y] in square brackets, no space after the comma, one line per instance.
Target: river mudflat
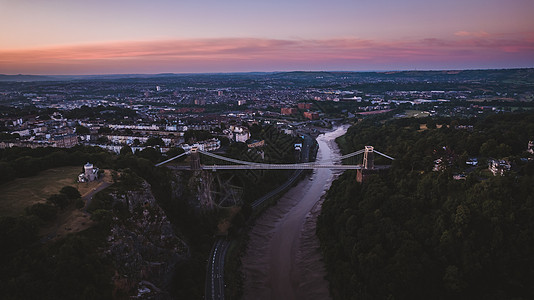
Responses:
[283,259]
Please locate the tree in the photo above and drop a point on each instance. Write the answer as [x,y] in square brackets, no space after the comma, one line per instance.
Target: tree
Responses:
[71,192]
[151,154]
[44,211]
[255,131]
[79,203]
[7,173]
[154,141]
[104,130]
[102,139]
[197,135]
[82,130]
[175,152]
[59,200]
[503,150]
[452,279]
[431,124]
[102,216]
[125,150]
[5,136]
[225,141]
[100,201]
[16,232]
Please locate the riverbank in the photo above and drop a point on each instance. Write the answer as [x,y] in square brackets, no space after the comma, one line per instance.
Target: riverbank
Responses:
[282,259]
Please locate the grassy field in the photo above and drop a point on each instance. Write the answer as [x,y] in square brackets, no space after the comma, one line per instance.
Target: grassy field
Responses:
[22,192]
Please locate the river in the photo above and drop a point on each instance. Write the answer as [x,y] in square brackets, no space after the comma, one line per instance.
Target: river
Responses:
[283,259]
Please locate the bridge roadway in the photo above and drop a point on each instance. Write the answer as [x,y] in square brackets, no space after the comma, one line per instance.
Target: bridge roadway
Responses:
[276,167]
[280,167]
[250,165]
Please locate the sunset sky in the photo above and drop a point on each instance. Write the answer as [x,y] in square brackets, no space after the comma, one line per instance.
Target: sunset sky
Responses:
[185,36]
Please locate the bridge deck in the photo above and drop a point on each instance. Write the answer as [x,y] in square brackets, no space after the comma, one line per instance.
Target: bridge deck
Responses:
[247,165]
[276,167]
[280,167]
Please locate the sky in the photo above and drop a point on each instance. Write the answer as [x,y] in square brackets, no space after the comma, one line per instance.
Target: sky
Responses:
[189,36]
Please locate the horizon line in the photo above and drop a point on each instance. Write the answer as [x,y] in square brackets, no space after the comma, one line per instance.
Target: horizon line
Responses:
[274,72]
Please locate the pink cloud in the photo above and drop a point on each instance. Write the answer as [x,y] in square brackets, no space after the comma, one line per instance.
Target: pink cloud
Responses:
[478,34]
[254,54]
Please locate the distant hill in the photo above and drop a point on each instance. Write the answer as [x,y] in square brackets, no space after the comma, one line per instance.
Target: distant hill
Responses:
[509,75]
[21,77]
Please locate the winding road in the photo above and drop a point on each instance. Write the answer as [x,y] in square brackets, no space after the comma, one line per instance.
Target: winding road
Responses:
[215,272]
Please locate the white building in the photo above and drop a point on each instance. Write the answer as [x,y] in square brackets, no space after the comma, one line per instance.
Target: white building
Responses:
[90,173]
[208,145]
[238,133]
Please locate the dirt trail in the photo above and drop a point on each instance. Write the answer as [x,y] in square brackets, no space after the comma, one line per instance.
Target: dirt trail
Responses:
[283,260]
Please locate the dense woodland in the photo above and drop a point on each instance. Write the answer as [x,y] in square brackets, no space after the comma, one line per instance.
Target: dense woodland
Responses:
[412,233]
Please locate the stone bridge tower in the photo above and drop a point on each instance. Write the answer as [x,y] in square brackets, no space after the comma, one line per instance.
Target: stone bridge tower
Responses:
[368,158]
[195,159]
[368,166]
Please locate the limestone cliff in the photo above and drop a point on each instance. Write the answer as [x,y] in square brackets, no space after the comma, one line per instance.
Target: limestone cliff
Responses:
[143,247]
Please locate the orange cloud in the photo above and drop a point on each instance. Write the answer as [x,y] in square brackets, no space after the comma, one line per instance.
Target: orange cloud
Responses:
[253,54]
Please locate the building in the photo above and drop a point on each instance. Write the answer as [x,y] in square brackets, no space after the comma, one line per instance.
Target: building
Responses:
[311,115]
[238,133]
[472,161]
[459,177]
[439,165]
[66,140]
[208,145]
[90,173]
[304,105]
[200,102]
[499,167]
[354,98]
[288,111]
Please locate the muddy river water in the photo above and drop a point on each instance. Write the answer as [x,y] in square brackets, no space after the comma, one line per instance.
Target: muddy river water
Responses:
[283,259]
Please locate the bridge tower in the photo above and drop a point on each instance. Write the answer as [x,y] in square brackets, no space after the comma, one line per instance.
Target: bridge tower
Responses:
[195,159]
[202,178]
[213,190]
[368,158]
[368,164]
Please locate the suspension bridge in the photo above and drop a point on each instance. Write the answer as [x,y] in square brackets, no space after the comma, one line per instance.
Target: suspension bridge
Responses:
[215,191]
[368,162]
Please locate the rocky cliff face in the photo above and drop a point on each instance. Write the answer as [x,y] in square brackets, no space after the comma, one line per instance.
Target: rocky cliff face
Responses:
[143,247]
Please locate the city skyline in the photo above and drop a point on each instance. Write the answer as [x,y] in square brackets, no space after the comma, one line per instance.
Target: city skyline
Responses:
[76,37]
